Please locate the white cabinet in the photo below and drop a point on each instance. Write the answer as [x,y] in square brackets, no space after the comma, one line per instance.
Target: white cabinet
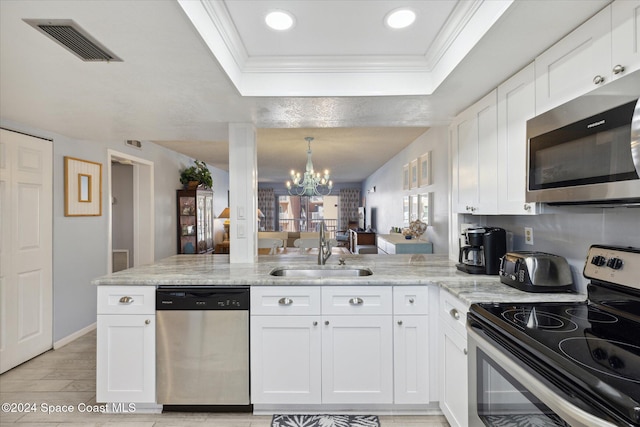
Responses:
[285,359]
[357,359]
[453,360]
[474,156]
[285,345]
[125,360]
[516,105]
[625,37]
[357,344]
[411,345]
[604,48]
[572,66]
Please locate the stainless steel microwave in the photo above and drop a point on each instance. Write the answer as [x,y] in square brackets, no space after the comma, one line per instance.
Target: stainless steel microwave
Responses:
[587,151]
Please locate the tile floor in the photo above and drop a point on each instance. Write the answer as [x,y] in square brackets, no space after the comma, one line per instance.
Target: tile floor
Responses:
[67,376]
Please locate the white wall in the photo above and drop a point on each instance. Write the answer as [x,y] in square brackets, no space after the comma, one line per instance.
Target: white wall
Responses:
[80,243]
[386,202]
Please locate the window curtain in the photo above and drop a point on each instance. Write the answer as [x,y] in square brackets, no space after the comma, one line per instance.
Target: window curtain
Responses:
[348,202]
[267,204]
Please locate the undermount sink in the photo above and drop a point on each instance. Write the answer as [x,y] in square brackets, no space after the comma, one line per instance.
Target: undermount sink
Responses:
[320,272]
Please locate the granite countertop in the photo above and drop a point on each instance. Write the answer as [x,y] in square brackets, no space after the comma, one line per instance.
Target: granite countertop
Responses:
[419,269]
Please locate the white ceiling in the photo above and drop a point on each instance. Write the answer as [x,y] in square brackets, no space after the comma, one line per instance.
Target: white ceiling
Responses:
[172,88]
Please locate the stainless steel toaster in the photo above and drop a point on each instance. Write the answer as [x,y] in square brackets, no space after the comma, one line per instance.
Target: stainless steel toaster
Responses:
[535,272]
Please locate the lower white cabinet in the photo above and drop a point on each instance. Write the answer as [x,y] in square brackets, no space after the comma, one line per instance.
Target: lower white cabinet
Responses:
[357,359]
[339,345]
[453,361]
[285,359]
[126,344]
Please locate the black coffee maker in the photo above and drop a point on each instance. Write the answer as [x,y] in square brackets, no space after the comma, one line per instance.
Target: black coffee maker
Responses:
[482,249]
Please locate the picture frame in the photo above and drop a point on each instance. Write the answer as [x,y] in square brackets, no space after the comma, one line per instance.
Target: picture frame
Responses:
[405,211]
[405,177]
[82,187]
[413,207]
[413,173]
[425,208]
[424,172]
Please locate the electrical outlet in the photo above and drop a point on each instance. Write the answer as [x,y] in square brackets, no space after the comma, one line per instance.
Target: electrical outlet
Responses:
[528,235]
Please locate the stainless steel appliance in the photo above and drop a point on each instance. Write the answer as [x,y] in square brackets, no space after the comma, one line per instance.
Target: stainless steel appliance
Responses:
[202,350]
[561,364]
[482,249]
[532,271]
[587,151]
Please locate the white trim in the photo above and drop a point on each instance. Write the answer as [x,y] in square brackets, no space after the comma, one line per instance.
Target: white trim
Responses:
[74,336]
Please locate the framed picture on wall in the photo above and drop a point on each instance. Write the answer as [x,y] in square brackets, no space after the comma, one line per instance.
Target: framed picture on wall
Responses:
[425,208]
[82,187]
[424,167]
[413,207]
[405,211]
[405,177]
[413,173]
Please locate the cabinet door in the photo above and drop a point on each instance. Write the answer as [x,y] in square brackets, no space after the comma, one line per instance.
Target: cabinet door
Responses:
[411,359]
[453,377]
[625,37]
[357,359]
[516,105]
[285,359]
[475,150]
[568,68]
[126,358]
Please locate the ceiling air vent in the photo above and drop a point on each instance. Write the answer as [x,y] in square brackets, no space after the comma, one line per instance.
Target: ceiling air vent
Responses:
[72,37]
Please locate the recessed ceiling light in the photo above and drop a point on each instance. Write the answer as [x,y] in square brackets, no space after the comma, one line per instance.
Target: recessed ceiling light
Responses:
[400,18]
[279,20]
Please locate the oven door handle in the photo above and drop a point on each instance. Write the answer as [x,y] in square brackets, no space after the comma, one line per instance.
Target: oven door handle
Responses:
[570,413]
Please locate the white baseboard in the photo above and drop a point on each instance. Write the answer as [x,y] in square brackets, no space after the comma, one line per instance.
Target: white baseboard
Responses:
[66,340]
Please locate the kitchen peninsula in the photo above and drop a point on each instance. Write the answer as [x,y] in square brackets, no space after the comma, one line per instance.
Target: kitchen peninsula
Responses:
[369,314]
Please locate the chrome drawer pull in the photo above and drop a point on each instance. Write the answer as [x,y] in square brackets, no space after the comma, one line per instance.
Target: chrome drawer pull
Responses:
[455,314]
[399,322]
[411,300]
[285,301]
[126,300]
[356,301]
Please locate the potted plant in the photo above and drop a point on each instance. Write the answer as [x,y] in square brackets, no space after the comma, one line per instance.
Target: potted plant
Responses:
[196,176]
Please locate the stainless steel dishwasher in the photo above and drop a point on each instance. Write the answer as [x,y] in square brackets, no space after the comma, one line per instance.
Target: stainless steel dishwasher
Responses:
[202,346]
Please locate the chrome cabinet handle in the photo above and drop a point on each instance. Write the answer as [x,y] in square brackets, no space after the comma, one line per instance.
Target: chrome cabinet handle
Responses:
[399,322]
[598,80]
[285,301]
[315,323]
[411,300]
[146,322]
[465,351]
[455,314]
[618,69]
[356,301]
[126,300]
[326,322]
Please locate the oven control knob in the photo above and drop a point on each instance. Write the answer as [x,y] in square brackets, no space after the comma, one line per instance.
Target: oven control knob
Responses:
[615,263]
[616,362]
[599,354]
[598,260]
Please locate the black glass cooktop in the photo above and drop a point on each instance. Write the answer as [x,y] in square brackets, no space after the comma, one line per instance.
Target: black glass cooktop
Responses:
[592,348]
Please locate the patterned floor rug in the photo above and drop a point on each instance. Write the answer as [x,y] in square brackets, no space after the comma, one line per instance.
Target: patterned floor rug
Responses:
[325,421]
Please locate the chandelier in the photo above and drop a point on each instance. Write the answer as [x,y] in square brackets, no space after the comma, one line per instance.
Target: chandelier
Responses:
[309,184]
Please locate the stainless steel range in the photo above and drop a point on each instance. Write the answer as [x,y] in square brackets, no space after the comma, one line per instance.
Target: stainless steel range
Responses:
[561,364]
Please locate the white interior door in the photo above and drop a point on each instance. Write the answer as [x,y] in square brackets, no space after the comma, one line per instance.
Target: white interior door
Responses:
[26,306]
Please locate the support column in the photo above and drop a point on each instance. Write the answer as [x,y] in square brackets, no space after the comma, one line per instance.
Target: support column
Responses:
[243,193]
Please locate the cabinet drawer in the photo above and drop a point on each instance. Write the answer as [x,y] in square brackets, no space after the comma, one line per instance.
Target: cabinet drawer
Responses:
[126,300]
[410,300]
[279,300]
[357,300]
[453,312]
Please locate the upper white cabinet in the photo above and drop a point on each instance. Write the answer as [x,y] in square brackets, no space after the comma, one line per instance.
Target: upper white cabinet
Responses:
[474,151]
[602,49]
[516,105]
[625,37]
